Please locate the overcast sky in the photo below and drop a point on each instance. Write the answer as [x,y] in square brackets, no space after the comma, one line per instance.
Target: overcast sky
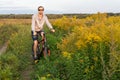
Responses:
[59,6]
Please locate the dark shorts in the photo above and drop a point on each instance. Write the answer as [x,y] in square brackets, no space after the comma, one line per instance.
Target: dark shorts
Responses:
[35,37]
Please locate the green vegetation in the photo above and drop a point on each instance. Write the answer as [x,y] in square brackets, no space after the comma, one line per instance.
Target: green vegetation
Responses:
[81,49]
[16,57]
[6,31]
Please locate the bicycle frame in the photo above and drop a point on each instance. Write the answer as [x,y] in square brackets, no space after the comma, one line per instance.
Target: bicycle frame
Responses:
[42,47]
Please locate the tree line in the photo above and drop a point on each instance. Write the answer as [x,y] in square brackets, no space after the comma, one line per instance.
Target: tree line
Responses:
[50,16]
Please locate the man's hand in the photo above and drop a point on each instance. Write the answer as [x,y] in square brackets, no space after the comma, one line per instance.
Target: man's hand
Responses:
[34,33]
[52,30]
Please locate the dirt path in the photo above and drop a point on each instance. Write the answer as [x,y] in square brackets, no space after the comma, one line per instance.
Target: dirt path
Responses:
[26,73]
[3,48]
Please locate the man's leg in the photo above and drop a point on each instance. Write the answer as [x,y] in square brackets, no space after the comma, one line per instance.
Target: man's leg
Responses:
[35,49]
[35,38]
[43,38]
[42,35]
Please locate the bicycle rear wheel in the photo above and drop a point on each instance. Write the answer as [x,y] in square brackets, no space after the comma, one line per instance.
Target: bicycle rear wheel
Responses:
[46,52]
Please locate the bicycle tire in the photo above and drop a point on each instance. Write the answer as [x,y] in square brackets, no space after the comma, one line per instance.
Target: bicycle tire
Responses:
[46,51]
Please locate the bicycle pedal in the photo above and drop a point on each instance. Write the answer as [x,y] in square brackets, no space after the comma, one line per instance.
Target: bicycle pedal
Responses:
[36,61]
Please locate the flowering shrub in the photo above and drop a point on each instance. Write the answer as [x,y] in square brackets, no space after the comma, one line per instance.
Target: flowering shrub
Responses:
[98,40]
[81,49]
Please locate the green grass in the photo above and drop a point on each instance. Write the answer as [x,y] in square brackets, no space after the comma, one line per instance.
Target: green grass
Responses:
[15,59]
[86,63]
[5,32]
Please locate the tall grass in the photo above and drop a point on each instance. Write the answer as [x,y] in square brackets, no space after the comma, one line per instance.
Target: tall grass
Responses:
[88,50]
[81,49]
[14,60]
[6,31]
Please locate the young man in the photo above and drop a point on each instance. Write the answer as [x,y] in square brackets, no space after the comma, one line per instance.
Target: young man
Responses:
[38,21]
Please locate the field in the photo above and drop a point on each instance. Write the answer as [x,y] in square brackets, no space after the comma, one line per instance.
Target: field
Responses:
[81,49]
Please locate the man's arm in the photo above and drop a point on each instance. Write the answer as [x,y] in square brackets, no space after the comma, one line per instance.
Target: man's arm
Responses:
[33,25]
[48,23]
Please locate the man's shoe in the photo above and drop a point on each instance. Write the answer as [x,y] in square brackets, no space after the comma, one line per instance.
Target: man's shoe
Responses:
[35,58]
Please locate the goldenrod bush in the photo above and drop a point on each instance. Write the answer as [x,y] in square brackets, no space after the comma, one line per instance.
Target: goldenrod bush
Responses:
[81,49]
[97,40]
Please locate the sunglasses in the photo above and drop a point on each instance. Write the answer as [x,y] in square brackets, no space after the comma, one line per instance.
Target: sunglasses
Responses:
[40,9]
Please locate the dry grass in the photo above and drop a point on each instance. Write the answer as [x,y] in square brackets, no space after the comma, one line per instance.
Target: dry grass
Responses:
[15,21]
[18,21]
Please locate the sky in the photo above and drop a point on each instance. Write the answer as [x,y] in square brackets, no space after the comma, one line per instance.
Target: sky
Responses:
[59,6]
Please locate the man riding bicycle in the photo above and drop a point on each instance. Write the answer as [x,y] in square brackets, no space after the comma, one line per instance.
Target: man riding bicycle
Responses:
[38,21]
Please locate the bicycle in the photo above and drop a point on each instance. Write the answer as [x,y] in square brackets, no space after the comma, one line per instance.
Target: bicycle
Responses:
[42,48]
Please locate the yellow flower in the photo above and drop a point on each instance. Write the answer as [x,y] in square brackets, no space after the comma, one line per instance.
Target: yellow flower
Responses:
[43,78]
[67,55]
[86,70]
[95,58]
[92,37]
[48,75]
[92,67]
[81,61]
